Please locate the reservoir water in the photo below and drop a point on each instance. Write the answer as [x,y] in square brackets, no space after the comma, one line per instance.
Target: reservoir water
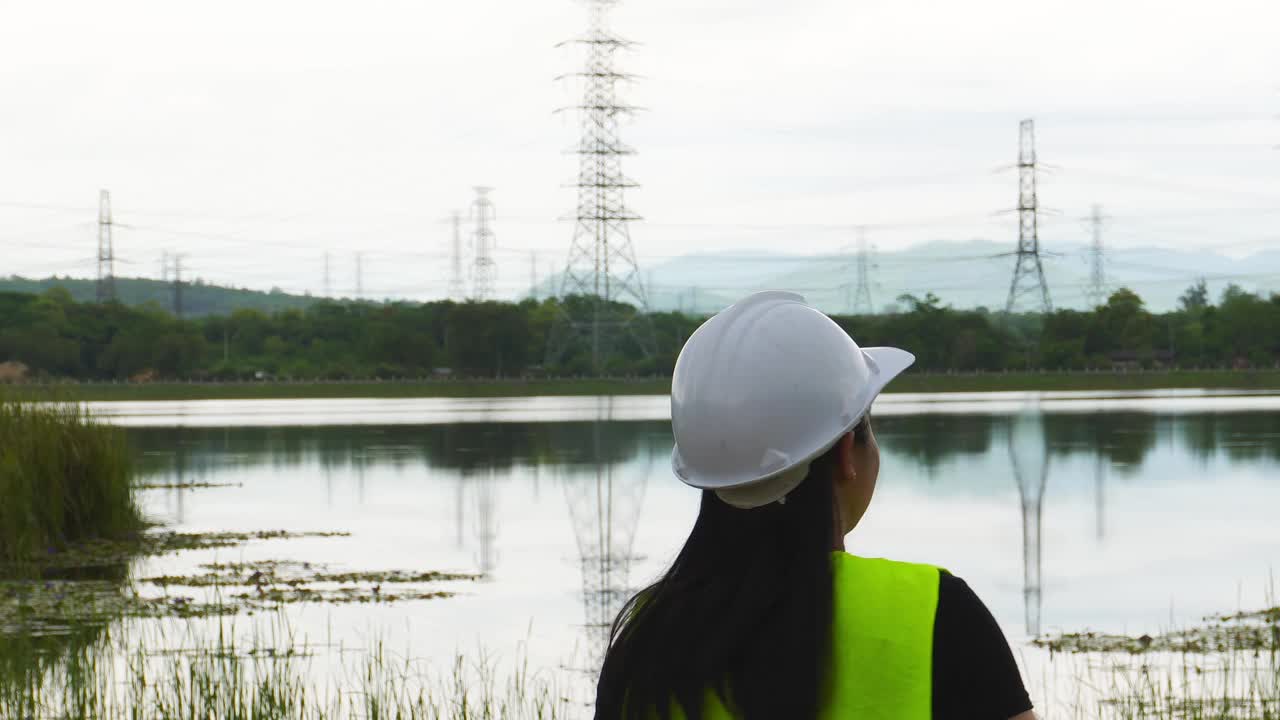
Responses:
[1064,511]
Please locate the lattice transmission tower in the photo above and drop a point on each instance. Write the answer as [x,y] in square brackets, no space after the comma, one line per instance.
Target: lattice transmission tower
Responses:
[861,301]
[484,271]
[1028,272]
[359,276]
[176,275]
[106,285]
[1098,275]
[602,295]
[457,279]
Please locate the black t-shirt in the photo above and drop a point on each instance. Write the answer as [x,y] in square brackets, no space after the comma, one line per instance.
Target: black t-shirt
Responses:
[974,673]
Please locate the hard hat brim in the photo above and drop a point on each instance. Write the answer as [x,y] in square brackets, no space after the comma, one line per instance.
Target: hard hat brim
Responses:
[885,364]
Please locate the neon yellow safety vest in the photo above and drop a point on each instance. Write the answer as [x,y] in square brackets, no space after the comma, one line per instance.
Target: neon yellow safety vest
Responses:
[882,643]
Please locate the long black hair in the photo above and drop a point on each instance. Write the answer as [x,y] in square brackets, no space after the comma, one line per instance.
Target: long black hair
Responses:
[744,611]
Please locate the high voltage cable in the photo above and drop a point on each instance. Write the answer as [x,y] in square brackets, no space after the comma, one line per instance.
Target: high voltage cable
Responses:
[1167,184]
[240,239]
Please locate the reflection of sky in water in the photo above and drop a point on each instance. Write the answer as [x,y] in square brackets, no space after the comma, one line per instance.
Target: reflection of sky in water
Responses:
[1146,519]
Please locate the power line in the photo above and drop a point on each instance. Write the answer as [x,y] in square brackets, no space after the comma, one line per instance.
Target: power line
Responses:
[1028,272]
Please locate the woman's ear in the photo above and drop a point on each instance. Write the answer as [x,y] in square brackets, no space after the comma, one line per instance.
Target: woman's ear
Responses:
[845,461]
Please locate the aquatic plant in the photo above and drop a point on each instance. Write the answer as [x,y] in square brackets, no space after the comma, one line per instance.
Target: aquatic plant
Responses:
[88,584]
[1225,668]
[138,672]
[64,479]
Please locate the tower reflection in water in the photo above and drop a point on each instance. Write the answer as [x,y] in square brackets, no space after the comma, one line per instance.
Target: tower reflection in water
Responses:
[486,517]
[1029,458]
[604,507]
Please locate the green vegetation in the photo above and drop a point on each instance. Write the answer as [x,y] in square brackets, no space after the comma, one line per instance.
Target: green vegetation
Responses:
[506,387]
[198,298]
[1254,631]
[64,480]
[52,336]
[912,382]
[263,674]
[104,552]
[1117,380]
[72,592]
[1228,668]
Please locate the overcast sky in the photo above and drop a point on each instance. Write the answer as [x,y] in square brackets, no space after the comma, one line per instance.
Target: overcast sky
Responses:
[256,136]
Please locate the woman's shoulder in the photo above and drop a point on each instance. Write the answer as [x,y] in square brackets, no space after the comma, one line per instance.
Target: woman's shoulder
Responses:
[956,593]
[974,667]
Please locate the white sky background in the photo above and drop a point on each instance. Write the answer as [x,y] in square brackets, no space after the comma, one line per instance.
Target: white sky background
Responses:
[255,136]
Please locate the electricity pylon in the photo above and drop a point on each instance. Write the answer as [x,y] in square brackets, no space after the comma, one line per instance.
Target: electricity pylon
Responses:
[602,296]
[1097,277]
[106,286]
[862,292]
[176,259]
[484,272]
[1028,272]
[457,280]
[533,276]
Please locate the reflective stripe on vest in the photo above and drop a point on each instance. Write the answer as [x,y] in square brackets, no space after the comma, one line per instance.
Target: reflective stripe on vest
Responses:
[882,642]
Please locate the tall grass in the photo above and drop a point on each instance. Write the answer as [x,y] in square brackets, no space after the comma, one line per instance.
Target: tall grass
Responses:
[64,479]
[1227,667]
[1228,685]
[131,673]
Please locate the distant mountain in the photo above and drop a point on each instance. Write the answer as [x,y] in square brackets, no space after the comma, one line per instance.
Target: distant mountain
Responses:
[198,298]
[964,274]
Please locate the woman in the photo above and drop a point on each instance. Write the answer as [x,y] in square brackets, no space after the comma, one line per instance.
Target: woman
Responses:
[762,615]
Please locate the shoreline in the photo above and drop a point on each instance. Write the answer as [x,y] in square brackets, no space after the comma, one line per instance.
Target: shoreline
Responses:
[517,387]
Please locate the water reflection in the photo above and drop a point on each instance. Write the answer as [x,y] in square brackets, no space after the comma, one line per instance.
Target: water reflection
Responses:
[485,479]
[486,525]
[604,506]
[1123,439]
[1029,458]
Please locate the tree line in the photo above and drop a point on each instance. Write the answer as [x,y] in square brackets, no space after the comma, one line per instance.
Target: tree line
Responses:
[199,298]
[51,335]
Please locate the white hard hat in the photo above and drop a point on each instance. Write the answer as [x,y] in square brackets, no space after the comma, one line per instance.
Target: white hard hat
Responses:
[763,388]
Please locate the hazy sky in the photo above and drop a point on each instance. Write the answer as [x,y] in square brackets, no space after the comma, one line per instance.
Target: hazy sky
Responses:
[255,136]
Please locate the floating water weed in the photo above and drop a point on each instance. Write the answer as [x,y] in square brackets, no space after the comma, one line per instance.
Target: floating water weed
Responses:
[1227,668]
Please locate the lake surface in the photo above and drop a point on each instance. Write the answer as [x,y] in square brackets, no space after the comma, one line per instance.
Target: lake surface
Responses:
[1064,511]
